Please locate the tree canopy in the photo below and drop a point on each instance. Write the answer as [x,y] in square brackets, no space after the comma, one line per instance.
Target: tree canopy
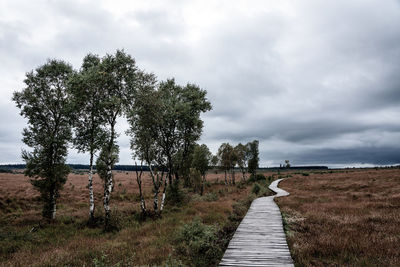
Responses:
[46,104]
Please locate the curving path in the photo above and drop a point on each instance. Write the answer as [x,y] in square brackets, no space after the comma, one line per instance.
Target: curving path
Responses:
[260,240]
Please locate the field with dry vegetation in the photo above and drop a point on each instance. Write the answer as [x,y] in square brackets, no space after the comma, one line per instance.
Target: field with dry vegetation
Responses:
[343,218]
[25,239]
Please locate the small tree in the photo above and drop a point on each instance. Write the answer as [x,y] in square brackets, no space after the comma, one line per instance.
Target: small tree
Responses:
[201,162]
[46,105]
[242,153]
[227,158]
[253,157]
[287,163]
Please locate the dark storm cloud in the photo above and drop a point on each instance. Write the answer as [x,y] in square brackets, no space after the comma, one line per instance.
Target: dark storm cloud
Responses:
[314,81]
[371,155]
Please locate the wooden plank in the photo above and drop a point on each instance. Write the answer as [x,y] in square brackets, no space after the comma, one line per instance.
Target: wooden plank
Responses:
[260,240]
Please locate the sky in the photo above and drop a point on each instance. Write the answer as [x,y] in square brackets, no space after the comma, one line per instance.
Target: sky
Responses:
[315,81]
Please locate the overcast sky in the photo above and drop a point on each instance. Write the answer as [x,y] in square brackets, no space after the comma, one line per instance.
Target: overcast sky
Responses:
[316,82]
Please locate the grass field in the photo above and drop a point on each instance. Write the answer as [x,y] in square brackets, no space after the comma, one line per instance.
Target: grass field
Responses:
[332,218]
[26,240]
[344,218]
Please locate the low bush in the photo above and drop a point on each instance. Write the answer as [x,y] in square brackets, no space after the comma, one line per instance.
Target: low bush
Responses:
[256,189]
[175,196]
[196,244]
[256,178]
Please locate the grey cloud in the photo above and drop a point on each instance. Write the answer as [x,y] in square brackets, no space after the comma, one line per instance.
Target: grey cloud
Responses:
[318,80]
[371,155]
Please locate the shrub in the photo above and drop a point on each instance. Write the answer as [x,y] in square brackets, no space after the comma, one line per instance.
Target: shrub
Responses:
[196,244]
[195,180]
[241,185]
[256,189]
[175,195]
[211,197]
[256,178]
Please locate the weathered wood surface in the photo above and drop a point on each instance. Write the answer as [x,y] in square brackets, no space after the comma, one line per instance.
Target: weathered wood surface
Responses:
[260,239]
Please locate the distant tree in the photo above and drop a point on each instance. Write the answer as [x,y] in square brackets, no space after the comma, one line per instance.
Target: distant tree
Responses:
[242,152]
[87,98]
[227,158]
[287,164]
[201,162]
[45,103]
[253,157]
[195,177]
[233,161]
[214,160]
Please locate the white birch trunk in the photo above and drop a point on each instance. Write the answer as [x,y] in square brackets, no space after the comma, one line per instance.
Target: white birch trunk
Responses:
[91,194]
[54,208]
[163,195]
[139,182]
[107,193]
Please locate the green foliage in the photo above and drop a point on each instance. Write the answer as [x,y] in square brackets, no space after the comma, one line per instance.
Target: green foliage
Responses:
[257,177]
[165,123]
[87,99]
[253,156]
[256,189]
[195,178]
[242,152]
[46,105]
[103,160]
[227,156]
[201,158]
[196,244]
[175,195]
[210,197]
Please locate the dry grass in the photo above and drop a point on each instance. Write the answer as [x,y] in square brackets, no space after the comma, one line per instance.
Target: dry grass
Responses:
[26,240]
[345,218]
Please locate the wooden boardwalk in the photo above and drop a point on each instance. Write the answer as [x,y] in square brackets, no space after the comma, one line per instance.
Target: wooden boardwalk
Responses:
[260,239]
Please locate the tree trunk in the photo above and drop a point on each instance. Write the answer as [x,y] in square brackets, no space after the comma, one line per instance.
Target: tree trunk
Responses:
[226,180]
[107,194]
[155,203]
[233,176]
[202,185]
[244,176]
[53,205]
[139,182]
[91,195]
[163,195]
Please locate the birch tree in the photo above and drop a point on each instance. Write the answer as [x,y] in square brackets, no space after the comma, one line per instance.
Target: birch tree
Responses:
[201,162]
[179,124]
[253,157]
[143,119]
[165,123]
[44,102]
[223,154]
[242,152]
[90,133]
[117,78]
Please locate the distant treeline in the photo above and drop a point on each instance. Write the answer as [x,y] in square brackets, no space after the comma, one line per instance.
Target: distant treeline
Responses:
[146,168]
[80,167]
[296,168]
